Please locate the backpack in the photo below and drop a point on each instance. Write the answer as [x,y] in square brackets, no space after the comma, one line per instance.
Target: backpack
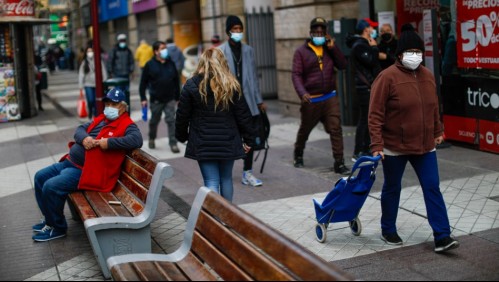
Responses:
[263,133]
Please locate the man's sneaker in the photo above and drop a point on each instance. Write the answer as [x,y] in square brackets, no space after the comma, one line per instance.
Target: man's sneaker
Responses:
[392,239]
[175,149]
[341,168]
[298,162]
[48,233]
[355,157]
[38,227]
[250,179]
[445,244]
[152,145]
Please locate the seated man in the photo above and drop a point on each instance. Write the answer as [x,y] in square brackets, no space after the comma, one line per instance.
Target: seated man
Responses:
[93,163]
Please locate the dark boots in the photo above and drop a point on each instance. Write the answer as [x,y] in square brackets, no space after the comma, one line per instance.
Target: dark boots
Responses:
[340,167]
[298,160]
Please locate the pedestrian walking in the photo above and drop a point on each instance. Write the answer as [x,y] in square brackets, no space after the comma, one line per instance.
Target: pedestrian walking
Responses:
[161,78]
[214,118]
[404,123]
[241,60]
[387,46]
[121,64]
[143,53]
[93,163]
[87,82]
[38,80]
[314,79]
[365,56]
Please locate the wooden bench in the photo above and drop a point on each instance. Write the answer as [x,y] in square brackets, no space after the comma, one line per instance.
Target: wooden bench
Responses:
[221,241]
[119,222]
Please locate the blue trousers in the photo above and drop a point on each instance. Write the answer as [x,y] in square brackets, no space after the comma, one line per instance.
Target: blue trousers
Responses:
[52,186]
[90,94]
[217,176]
[426,168]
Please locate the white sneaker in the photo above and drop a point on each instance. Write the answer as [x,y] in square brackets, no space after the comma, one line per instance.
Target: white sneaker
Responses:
[250,179]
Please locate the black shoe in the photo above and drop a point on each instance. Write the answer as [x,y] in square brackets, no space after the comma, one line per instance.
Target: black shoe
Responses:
[445,244]
[152,145]
[175,149]
[341,168]
[40,108]
[392,239]
[298,160]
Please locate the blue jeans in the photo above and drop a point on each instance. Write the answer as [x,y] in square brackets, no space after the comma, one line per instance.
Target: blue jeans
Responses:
[426,168]
[52,186]
[217,176]
[90,94]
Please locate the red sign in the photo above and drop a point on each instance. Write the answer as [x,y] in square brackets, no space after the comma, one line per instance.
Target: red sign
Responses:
[411,11]
[478,34]
[17,8]
[489,136]
[461,129]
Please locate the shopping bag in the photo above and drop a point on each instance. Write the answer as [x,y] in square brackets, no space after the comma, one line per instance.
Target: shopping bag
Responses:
[81,106]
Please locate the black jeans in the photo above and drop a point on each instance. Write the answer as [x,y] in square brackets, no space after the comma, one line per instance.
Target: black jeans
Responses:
[362,139]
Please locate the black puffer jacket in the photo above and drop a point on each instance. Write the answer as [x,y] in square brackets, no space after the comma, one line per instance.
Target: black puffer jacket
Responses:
[212,135]
[365,59]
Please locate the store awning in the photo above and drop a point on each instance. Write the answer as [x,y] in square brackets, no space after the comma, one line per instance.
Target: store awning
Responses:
[27,20]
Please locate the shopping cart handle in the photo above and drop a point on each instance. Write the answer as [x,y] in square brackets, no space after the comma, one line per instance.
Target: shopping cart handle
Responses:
[365,161]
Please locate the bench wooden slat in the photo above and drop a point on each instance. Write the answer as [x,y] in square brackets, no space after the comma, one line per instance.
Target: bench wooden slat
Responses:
[195,270]
[295,258]
[138,189]
[133,206]
[133,169]
[247,258]
[213,257]
[144,160]
[99,202]
[82,206]
[158,271]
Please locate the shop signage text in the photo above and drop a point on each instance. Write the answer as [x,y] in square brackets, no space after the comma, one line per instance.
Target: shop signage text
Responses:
[478,34]
[17,8]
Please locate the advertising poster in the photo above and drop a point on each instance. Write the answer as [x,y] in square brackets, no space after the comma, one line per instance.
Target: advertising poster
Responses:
[411,11]
[9,108]
[478,34]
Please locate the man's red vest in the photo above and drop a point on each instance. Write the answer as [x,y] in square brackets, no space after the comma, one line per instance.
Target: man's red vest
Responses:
[102,167]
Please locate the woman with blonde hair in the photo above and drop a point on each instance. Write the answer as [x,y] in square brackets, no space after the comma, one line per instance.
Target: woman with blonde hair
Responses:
[214,118]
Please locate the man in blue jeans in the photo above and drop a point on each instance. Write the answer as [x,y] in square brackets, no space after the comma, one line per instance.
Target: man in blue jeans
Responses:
[102,142]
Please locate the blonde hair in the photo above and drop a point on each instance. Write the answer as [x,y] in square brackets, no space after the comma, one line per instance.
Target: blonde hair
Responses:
[215,70]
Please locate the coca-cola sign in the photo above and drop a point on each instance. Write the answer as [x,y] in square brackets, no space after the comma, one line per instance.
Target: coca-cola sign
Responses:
[17,8]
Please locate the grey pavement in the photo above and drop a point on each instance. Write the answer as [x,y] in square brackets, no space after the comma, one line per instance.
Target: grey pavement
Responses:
[469,182]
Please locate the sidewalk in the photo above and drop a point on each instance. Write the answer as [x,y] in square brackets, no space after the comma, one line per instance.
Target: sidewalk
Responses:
[469,182]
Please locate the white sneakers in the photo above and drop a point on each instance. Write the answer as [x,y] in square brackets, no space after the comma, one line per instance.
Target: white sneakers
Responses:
[250,179]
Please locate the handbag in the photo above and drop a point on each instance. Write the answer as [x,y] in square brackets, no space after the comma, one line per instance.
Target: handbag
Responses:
[81,106]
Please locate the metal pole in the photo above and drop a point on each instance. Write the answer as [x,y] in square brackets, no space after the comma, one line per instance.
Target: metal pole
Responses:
[97,56]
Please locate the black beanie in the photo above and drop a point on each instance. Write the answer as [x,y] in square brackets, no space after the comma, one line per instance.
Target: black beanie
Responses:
[232,21]
[409,39]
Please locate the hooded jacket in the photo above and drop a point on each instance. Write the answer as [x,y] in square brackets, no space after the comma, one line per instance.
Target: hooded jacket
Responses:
[403,112]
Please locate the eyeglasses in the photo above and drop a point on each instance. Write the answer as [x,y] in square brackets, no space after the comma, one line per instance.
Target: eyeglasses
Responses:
[412,53]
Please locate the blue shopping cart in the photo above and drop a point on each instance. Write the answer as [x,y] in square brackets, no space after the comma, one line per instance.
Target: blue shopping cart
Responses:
[344,202]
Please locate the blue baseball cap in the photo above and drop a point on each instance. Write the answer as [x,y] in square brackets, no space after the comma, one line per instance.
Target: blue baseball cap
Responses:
[116,95]
[364,23]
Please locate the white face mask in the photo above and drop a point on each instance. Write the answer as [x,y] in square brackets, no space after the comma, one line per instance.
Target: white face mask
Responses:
[90,55]
[412,60]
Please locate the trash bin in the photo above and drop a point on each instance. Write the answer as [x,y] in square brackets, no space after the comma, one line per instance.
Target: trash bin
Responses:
[44,83]
[118,82]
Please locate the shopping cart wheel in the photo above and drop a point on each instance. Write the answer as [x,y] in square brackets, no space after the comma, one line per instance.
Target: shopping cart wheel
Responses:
[355,226]
[320,232]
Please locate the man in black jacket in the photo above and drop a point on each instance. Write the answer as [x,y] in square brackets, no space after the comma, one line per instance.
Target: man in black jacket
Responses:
[161,78]
[365,56]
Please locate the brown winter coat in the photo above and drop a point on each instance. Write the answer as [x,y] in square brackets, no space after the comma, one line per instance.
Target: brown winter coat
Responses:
[403,111]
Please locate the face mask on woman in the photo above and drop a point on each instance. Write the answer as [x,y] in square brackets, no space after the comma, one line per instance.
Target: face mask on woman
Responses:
[111,113]
[412,60]
[90,55]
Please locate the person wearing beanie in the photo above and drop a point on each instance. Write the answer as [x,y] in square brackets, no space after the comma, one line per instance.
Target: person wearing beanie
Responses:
[365,57]
[313,76]
[405,127]
[241,60]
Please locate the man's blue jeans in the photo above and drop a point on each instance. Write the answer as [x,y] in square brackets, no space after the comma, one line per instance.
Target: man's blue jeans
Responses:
[52,186]
[426,168]
[217,176]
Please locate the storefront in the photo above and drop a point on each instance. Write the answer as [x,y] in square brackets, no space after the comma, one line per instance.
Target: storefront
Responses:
[145,11]
[116,11]
[17,89]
